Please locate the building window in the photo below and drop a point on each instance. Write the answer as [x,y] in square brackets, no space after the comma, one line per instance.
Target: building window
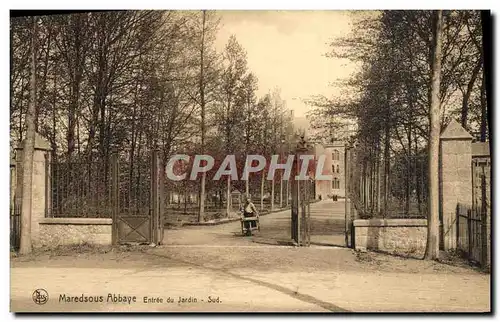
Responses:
[335,183]
[338,169]
[336,155]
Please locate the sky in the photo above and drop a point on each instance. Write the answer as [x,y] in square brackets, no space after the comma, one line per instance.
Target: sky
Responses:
[287,49]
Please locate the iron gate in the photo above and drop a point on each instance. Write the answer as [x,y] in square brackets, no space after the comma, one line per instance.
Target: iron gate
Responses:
[469,232]
[136,201]
[474,222]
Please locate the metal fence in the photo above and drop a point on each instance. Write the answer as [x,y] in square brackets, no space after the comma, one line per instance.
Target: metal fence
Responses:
[79,189]
[83,189]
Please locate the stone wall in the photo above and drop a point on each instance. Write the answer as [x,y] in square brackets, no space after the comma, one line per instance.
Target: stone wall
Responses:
[53,232]
[74,231]
[396,236]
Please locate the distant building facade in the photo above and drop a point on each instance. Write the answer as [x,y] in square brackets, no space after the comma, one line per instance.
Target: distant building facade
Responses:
[334,165]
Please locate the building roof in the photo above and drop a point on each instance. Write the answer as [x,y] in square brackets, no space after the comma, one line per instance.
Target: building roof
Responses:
[335,144]
[480,149]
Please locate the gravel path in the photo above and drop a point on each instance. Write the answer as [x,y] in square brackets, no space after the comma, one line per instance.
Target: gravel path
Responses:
[226,272]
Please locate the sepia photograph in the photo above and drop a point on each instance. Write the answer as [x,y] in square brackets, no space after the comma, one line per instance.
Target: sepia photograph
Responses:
[312,161]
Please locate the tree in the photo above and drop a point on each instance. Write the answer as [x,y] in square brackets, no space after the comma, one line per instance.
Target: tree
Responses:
[28,151]
[388,98]
[73,46]
[202,114]
[205,63]
[277,130]
[130,82]
[432,249]
[230,105]
[264,105]
[250,111]
[21,37]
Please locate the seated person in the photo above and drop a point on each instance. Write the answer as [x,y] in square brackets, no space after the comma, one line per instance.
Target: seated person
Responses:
[249,210]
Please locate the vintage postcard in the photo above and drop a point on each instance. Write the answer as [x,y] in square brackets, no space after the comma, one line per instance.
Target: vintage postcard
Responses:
[250,161]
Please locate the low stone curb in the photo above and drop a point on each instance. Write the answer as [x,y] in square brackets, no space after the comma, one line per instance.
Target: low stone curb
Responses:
[225,221]
[211,223]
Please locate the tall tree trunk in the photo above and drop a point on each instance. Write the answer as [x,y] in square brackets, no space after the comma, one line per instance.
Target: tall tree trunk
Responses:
[185,196]
[379,165]
[53,143]
[432,249]
[74,109]
[484,115]
[272,194]
[133,138]
[281,190]
[201,213]
[43,81]
[287,192]
[487,66]
[28,152]
[373,181]
[21,111]
[11,63]
[262,181]
[247,182]
[364,190]
[418,174]
[409,173]
[387,165]
[228,196]
[368,183]
[468,92]
[373,178]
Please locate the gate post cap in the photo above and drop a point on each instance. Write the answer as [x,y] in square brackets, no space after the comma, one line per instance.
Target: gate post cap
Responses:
[40,143]
[455,131]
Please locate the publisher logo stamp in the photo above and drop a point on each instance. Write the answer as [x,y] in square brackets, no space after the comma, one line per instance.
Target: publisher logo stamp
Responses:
[40,296]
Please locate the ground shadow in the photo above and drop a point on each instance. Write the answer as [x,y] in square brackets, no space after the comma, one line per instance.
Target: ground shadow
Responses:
[328,244]
[295,294]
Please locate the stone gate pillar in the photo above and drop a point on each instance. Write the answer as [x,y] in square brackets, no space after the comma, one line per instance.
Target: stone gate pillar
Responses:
[40,184]
[455,179]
